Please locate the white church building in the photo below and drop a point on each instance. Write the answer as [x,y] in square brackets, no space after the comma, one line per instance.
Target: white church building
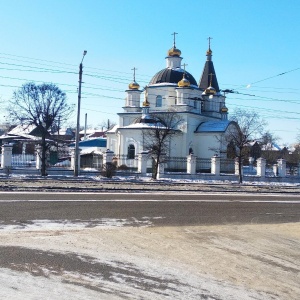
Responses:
[201,107]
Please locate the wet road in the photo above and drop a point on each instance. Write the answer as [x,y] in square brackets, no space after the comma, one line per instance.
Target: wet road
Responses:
[165,209]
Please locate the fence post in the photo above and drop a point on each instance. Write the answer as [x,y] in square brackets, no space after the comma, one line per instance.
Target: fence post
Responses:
[142,162]
[215,165]
[38,151]
[261,167]
[281,167]
[73,158]
[108,156]
[275,169]
[6,158]
[191,164]
[236,167]
[161,166]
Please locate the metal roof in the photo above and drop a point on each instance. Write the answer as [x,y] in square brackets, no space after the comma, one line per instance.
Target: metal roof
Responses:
[213,126]
[169,75]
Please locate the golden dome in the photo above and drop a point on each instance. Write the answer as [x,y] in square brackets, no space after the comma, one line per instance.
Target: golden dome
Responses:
[146,103]
[209,52]
[133,86]
[174,52]
[224,109]
[184,82]
[210,90]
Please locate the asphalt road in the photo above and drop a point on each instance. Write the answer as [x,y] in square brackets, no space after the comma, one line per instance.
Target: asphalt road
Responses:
[163,209]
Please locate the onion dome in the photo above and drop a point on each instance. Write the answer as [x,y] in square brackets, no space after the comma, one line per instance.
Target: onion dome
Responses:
[133,86]
[184,82]
[174,51]
[146,103]
[210,90]
[209,52]
[224,109]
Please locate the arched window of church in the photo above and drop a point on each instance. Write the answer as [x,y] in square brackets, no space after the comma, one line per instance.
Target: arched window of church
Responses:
[195,103]
[158,101]
[131,152]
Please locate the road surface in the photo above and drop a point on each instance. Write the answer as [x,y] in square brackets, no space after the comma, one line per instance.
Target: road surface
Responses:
[163,209]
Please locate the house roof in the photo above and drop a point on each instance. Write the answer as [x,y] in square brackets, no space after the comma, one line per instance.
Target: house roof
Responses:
[97,142]
[22,129]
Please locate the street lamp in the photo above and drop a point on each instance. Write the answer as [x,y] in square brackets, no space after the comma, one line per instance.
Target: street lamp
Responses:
[76,161]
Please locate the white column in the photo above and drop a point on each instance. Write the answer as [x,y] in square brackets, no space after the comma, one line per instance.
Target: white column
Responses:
[236,167]
[161,169]
[73,158]
[6,157]
[142,162]
[38,155]
[108,156]
[191,164]
[215,165]
[281,167]
[261,167]
[275,169]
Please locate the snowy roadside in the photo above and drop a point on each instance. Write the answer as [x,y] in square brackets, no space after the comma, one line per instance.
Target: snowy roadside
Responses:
[133,183]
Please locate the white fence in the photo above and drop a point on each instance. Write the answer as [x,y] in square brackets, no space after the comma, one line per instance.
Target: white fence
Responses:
[22,160]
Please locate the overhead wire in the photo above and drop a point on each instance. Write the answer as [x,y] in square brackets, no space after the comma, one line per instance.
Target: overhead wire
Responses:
[117,79]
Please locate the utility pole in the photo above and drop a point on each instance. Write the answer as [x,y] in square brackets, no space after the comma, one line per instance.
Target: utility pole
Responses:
[76,161]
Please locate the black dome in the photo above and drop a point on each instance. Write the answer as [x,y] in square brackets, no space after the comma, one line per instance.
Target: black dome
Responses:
[172,76]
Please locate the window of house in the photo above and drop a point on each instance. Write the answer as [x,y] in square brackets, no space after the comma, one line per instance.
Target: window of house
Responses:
[131,152]
[158,101]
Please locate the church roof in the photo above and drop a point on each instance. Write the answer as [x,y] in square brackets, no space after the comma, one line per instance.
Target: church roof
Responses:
[169,75]
[206,77]
[213,126]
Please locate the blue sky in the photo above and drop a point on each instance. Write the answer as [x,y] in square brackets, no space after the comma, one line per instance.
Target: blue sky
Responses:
[253,42]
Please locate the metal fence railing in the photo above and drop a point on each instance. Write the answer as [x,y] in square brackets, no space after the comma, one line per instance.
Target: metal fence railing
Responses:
[124,163]
[203,165]
[175,164]
[227,165]
[23,160]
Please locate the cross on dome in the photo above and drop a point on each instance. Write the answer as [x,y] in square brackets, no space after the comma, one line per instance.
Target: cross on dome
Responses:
[134,85]
[174,51]
[174,36]
[209,52]
[134,69]
[211,75]
[184,65]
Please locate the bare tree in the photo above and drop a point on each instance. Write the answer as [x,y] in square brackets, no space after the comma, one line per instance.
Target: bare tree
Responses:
[249,128]
[41,105]
[108,124]
[267,143]
[158,135]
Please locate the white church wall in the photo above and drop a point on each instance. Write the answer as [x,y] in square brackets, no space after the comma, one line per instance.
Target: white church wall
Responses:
[167,93]
[206,145]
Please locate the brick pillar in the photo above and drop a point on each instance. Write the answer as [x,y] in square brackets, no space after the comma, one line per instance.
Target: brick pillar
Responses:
[236,167]
[6,157]
[261,167]
[215,165]
[191,164]
[275,169]
[38,157]
[142,162]
[161,166]
[281,167]
[108,156]
[73,159]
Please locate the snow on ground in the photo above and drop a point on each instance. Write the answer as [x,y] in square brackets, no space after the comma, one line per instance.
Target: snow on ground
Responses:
[107,273]
[116,261]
